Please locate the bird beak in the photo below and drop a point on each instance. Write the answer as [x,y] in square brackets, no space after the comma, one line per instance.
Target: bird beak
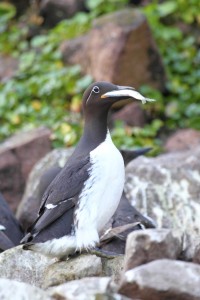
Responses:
[126,92]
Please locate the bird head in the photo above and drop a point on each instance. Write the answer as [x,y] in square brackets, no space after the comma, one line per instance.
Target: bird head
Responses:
[104,94]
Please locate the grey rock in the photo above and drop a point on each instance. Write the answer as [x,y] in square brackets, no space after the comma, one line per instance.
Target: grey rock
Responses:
[191,248]
[196,257]
[74,268]
[162,279]
[37,181]
[83,289]
[121,39]
[113,267]
[25,266]
[11,289]
[143,246]
[167,188]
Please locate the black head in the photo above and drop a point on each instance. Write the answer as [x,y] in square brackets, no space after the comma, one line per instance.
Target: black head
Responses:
[102,95]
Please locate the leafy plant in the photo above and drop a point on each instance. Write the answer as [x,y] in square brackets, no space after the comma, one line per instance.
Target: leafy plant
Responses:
[46,92]
[181,56]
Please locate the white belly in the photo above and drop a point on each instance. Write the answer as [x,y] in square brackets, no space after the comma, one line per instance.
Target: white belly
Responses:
[101,194]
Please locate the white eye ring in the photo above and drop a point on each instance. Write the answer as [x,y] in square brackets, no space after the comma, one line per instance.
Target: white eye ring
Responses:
[95,89]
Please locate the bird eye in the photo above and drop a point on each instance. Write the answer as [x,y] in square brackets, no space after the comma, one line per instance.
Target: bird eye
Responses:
[95,89]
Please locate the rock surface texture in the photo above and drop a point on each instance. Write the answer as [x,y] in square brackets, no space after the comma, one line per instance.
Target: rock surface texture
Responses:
[162,279]
[167,188]
[25,266]
[18,154]
[11,289]
[183,139]
[143,246]
[80,267]
[126,51]
[82,289]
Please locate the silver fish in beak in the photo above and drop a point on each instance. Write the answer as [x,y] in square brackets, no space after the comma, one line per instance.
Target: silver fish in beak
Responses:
[129,92]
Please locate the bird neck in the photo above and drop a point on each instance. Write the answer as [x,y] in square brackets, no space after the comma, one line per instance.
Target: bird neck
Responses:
[95,132]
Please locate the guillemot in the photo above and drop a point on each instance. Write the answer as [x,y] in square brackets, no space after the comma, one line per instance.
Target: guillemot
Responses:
[85,194]
[10,230]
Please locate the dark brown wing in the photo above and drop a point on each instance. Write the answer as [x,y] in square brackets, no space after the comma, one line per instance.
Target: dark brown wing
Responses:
[12,227]
[61,195]
[5,242]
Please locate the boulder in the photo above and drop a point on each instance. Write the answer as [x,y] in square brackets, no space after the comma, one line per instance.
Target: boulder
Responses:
[113,268]
[182,139]
[37,182]
[18,154]
[119,48]
[167,188]
[26,266]
[11,289]
[162,279]
[143,246]
[191,248]
[82,289]
[74,268]
[131,114]
[54,11]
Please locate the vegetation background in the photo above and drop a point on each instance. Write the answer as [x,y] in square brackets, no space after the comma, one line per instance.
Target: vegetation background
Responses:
[46,92]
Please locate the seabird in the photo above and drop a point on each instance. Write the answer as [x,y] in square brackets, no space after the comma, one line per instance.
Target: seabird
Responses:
[10,230]
[85,194]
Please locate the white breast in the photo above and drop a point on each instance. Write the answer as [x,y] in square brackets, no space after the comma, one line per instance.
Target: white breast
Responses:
[101,194]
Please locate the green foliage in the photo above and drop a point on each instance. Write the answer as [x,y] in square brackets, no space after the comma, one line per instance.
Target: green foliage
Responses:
[181,57]
[136,137]
[100,7]
[46,92]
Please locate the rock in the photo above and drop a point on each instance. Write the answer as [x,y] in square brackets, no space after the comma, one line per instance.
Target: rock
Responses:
[162,279]
[8,67]
[38,181]
[182,139]
[131,114]
[83,289]
[126,51]
[54,11]
[18,154]
[11,289]
[191,248]
[25,266]
[196,257]
[143,246]
[167,189]
[113,267]
[74,268]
